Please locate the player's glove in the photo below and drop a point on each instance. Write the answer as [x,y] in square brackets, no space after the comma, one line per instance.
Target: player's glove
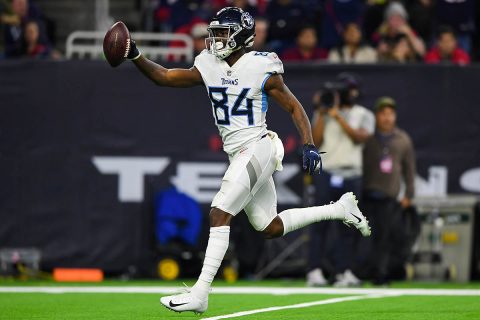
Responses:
[133,52]
[311,159]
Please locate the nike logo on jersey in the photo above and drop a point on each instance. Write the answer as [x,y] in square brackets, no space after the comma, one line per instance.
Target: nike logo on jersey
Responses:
[229,82]
[314,152]
[359,220]
[173,305]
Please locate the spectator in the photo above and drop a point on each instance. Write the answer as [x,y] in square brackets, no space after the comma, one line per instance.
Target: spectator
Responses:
[400,50]
[306,48]
[460,15]
[388,157]
[353,51]
[199,33]
[32,47]
[197,30]
[394,29]
[22,11]
[447,49]
[338,13]
[261,33]
[340,126]
[172,16]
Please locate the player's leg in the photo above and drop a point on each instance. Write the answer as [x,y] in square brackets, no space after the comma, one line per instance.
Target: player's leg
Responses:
[234,193]
[216,248]
[196,298]
[345,209]
[262,211]
[293,219]
[261,208]
[246,172]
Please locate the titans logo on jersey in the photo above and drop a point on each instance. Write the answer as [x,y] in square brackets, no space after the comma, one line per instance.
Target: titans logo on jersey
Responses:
[239,101]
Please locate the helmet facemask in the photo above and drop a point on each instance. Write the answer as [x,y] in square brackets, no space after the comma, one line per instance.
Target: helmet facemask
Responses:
[221,42]
[230,30]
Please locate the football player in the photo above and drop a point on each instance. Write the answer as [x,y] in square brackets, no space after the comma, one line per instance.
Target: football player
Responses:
[238,84]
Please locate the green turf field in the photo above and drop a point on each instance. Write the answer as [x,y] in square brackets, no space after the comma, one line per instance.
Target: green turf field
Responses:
[47,300]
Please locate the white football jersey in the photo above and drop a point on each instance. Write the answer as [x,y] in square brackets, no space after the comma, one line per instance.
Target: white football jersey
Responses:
[239,101]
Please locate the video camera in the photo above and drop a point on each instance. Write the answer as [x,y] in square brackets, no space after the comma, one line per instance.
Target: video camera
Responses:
[346,87]
[328,92]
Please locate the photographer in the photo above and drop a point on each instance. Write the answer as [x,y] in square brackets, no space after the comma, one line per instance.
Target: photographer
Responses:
[339,127]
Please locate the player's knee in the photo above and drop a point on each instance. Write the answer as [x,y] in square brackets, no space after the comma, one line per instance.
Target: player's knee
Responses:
[274,229]
[219,218]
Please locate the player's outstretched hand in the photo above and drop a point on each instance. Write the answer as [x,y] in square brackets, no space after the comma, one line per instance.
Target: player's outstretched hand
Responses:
[311,159]
[133,52]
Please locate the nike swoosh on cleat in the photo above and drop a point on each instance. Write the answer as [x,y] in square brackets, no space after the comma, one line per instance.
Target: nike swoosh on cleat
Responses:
[173,305]
[359,220]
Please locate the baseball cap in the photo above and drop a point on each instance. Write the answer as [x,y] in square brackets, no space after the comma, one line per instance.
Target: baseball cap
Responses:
[396,8]
[383,102]
[199,30]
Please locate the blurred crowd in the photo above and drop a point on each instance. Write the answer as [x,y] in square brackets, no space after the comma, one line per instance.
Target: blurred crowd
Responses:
[26,31]
[337,31]
[342,31]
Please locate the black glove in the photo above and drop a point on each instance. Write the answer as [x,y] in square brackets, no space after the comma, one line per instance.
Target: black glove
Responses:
[311,158]
[133,52]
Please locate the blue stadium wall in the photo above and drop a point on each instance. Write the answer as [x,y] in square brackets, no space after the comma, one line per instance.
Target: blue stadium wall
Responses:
[67,129]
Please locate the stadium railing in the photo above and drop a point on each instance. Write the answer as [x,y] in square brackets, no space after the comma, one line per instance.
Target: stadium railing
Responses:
[89,45]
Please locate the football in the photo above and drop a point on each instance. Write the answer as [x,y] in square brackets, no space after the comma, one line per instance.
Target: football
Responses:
[116,44]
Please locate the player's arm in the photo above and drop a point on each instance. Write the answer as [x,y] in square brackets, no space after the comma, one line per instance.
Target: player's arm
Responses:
[276,88]
[181,78]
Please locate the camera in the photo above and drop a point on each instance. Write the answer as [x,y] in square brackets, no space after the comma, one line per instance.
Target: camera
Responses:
[332,88]
[346,87]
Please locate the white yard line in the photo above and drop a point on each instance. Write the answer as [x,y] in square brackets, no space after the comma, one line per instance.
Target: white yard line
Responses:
[297,306]
[245,290]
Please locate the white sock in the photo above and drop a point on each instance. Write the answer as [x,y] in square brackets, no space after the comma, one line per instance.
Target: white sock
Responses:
[294,219]
[216,248]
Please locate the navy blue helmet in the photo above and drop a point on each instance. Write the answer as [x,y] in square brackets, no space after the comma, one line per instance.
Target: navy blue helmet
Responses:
[230,29]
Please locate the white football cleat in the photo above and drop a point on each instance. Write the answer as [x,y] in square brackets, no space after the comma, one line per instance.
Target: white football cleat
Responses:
[185,302]
[353,215]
